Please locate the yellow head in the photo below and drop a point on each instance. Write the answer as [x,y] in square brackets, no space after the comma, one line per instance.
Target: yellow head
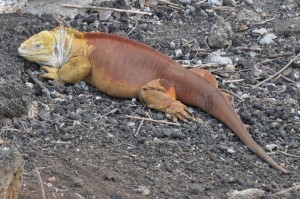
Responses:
[39,48]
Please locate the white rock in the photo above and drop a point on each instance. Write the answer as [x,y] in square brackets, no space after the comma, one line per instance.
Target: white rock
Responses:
[252,54]
[172,44]
[178,53]
[186,63]
[229,68]
[271,147]
[216,58]
[199,62]
[143,190]
[259,32]
[185,1]
[130,124]
[215,2]
[268,38]
[246,194]
[29,85]
[230,150]
[248,15]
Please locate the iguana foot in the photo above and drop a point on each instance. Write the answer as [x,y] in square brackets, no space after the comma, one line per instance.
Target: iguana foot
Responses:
[176,110]
[52,73]
[160,94]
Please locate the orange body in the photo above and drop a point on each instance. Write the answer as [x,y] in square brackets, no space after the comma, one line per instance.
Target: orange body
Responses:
[120,67]
[125,68]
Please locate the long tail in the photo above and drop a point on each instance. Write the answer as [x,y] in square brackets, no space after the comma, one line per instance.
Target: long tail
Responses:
[196,91]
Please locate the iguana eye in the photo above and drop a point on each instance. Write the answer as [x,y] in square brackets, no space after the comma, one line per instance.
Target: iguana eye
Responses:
[37,46]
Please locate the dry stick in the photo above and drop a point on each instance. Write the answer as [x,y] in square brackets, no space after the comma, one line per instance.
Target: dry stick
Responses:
[248,48]
[284,77]
[233,94]
[232,81]
[287,154]
[284,191]
[138,129]
[263,22]
[168,3]
[44,89]
[79,196]
[287,54]
[189,42]
[105,8]
[41,181]
[209,65]
[277,73]
[224,8]
[201,2]
[152,120]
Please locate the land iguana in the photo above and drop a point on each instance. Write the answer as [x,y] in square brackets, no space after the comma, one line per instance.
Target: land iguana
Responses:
[125,68]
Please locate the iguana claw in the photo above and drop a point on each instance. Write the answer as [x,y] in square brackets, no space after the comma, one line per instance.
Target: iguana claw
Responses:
[177,110]
[52,73]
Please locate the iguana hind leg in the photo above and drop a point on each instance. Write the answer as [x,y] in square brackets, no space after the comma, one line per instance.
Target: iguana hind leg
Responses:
[160,94]
[75,70]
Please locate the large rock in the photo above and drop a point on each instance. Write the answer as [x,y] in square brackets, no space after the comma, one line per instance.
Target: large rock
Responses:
[11,173]
[15,97]
[55,7]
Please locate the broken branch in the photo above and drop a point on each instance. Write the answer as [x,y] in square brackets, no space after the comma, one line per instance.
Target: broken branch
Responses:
[277,73]
[105,8]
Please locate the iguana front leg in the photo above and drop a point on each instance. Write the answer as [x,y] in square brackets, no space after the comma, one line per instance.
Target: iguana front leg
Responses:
[160,94]
[75,70]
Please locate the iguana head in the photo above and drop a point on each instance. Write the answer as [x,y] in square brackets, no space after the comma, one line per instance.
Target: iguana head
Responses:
[39,48]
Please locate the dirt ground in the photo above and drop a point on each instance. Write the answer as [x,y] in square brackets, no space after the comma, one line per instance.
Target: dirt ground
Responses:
[84,145]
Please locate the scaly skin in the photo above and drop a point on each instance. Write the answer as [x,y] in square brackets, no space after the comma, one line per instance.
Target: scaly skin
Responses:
[125,68]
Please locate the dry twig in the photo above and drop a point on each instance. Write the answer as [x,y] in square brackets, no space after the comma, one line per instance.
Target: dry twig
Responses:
[105,8]
[152,120]
[209,65]
[232,81]
[44,89]
[41,181]
[263,22]
[224,8]
[138,129]
[287,154]
[287,54]
[233,94]
[248,48]
[169,3]
[277,73]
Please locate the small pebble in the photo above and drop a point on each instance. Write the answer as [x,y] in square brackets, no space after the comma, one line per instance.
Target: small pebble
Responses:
[268,38]
[230,150]
[178,53]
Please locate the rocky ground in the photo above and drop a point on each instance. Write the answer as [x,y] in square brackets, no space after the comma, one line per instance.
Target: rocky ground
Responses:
[84,145]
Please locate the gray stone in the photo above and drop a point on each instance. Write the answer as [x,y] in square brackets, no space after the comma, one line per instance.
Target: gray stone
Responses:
[229,3]
[185,1]
[248,15]
[215,2]
[287,27]
[259,32]
[220,35]
[15,99]
[268,38]
[216,58]
[55,7]
[246,194]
